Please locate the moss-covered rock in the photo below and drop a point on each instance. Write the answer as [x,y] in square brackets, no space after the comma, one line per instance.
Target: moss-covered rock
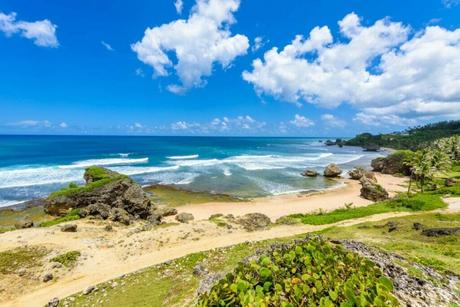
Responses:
[107,194]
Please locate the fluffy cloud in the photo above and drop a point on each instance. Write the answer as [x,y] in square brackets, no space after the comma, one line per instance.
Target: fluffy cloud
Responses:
[31,123]
[301,121]
[198,43]
[333,121]
[383,69]
[43,32]
[258,43]
[243,123]
[179,5]
[63,125]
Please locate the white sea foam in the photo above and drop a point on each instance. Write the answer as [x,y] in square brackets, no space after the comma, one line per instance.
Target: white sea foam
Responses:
[31,176]
[138,170]
[124,155]
[6,203]
[105,162]
[183,157]
[227,172]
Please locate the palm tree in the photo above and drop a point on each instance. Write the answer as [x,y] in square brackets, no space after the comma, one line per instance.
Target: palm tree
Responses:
[426,163]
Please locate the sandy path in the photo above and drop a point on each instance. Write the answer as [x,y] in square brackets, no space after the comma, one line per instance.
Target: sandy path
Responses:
[104,265]
[275,207]
[107,255]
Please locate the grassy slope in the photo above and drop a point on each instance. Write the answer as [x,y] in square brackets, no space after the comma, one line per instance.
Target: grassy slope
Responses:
[442,253]
[174,283]
[417,202]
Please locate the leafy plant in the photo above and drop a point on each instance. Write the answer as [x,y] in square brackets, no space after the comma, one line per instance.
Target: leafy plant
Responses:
[307,273]
[68,259]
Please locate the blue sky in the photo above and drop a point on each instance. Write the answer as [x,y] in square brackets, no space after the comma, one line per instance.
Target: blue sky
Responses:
[89,67]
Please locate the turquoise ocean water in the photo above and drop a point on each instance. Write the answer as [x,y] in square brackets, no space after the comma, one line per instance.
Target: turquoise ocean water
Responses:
[33,166]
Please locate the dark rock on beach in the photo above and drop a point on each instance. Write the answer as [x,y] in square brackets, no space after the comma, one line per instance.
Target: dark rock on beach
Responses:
[24,224]
[393,164]
[359,172]
[107,195]
[184,217]
[332,170]
[69,228]
[437,232]
[372,190]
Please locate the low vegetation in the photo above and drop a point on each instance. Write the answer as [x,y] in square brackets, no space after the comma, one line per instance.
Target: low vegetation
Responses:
[413,138]
[67,259]
[402,203]
[21,258]
[100,177]
[441,253]
[72,215]
[308,273]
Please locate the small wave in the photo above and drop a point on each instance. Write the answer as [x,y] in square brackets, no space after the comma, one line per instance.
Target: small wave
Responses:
[124,155]
[227,172]
[183,157]
[7,203]
[138,170]
[102,162]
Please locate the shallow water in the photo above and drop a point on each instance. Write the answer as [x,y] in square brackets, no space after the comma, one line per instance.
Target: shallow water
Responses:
[33,166]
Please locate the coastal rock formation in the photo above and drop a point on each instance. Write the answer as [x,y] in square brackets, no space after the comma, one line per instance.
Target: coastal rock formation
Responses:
[254,221]
[332,170]
[69,228]
[107,194]
[24,224]
[358,172]
[393,164]
[436,290]
[310,173]
[371,147]
[372,190]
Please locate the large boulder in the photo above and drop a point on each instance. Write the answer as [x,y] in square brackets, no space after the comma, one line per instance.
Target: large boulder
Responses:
[332,170]
[393,164]
[254,221]
[372,190]
[184,217]
[310,173]
[107,194]
[359,172]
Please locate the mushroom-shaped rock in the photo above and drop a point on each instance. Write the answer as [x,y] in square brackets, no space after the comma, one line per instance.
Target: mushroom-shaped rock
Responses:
[332,170]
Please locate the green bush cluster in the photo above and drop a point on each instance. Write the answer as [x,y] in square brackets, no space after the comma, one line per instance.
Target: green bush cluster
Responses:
[68,259]
[307,273]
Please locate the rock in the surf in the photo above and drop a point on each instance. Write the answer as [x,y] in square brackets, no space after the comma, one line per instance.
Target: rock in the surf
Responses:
[332,170]
[310,173]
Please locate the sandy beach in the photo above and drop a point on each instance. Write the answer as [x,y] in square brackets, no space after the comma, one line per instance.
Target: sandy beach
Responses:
[108,254]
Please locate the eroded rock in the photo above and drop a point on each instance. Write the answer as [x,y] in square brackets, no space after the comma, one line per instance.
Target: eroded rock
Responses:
[184,217]
[69,228]
[332,170]
[372,190]
[254,221]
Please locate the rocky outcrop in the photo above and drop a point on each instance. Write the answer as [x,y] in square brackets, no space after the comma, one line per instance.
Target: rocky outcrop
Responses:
[310,173]
[332,170]
[371,147]
[371,190]
[436,290]
[107,195]
[393,164]
[24,224]
[69,228]
[254,221]
[358,172]
[437,232]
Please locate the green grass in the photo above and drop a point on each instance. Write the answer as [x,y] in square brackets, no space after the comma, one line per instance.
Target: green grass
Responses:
[417,202]
[75,189]
[169,284]
[23,257]
[174,196]
[72,215]
[441,253]
[68,259]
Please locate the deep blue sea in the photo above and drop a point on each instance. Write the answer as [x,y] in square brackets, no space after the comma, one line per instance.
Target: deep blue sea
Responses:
[33,166]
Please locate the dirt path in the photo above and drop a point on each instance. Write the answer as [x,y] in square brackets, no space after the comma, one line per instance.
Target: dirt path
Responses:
[103,262]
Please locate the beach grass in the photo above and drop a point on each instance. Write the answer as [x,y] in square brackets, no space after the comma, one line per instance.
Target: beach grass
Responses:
[21,258]
[72,215]
[174,196]
[401,203]
[68,259]
[441,253]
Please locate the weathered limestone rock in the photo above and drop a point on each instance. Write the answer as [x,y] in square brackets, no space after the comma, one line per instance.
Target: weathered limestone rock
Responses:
[332,170]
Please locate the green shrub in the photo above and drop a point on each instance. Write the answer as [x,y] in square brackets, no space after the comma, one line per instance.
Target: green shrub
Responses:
[306,273]
[68,259]
[72,215]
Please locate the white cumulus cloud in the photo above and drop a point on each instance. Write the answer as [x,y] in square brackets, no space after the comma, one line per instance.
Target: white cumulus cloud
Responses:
[43,32]
[382,69]
[301,121]
[333,121]
[199,42]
